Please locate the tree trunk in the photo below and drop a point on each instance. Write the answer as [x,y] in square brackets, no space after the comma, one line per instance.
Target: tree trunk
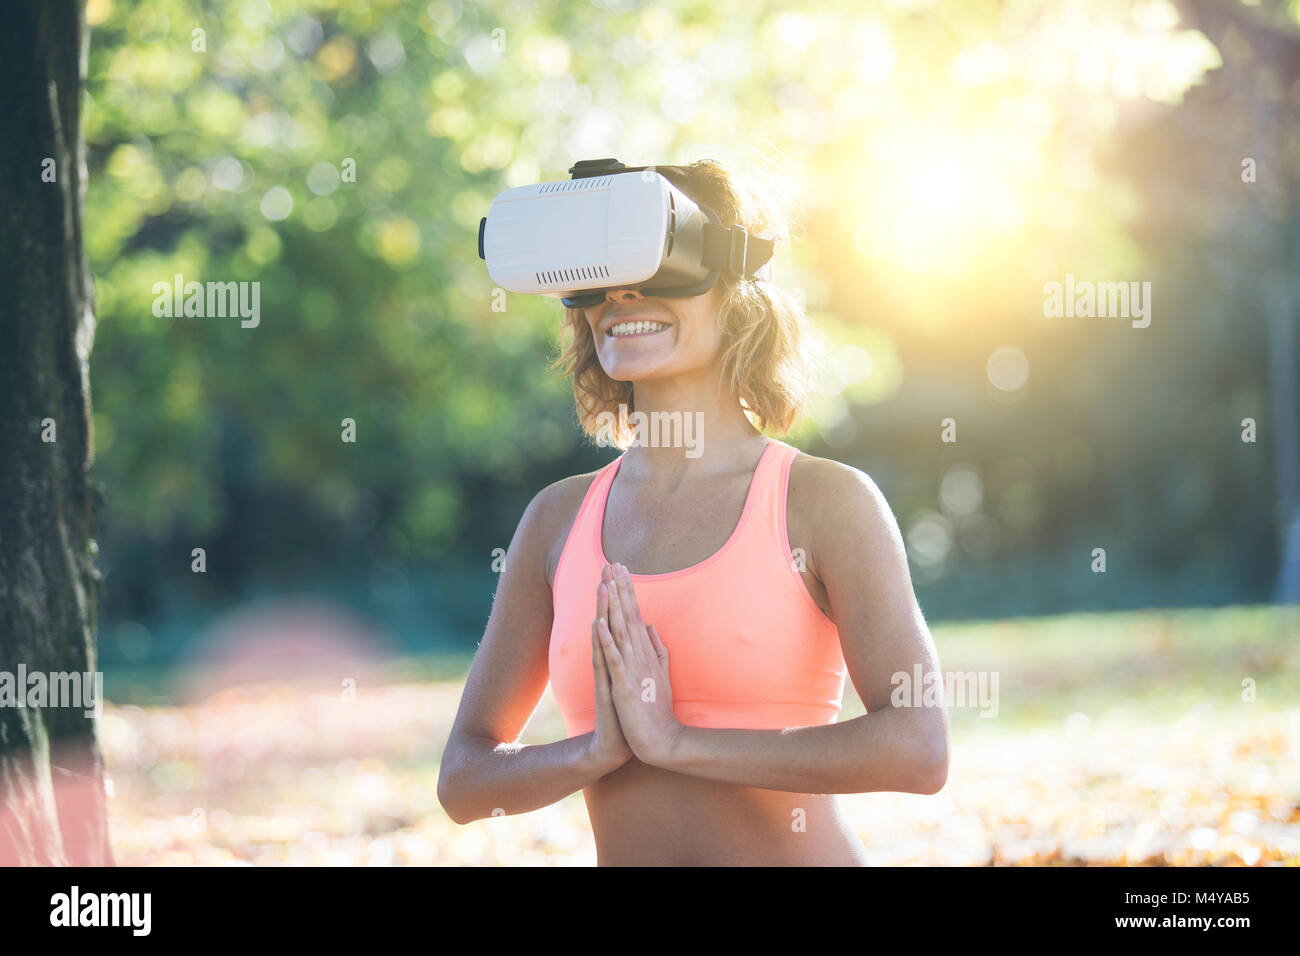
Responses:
[52,800]
[1282,303]
[1275,49]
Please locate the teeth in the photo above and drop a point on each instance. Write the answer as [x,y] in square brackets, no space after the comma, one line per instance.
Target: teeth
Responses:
[637,328]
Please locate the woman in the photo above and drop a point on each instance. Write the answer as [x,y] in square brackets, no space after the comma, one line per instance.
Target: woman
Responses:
[695,609]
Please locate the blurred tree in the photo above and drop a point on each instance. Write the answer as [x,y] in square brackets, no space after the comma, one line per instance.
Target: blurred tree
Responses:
[1252,125]
[52,803]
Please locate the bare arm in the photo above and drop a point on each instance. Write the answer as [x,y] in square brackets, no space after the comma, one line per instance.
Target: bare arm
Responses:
[484,770]
[854,545]
[886,750]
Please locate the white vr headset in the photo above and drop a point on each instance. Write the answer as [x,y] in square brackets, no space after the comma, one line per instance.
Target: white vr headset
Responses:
[612,226]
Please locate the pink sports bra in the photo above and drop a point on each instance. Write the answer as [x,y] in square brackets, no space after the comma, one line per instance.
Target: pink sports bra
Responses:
[748,647]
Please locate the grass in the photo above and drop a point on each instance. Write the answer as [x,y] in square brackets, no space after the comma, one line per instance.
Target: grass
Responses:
[1153,664]
[1119,738]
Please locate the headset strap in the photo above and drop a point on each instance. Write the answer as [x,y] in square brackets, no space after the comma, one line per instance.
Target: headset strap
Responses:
[586,168]
[729,249]
[734,251]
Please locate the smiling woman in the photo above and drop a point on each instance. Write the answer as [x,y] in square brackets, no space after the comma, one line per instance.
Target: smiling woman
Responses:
[766,358]
[700,692]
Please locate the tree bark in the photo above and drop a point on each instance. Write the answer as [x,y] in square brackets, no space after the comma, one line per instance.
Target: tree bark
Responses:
[52,801]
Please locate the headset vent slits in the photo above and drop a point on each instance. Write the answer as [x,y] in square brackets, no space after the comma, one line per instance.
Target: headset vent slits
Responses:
[564,276]
[566,185]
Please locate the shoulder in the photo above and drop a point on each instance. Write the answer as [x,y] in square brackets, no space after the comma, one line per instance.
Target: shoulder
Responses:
[546,522]
[826,484]
[833,505]
[560,496]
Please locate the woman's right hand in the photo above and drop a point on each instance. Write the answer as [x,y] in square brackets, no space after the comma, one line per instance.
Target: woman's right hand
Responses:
[608,748]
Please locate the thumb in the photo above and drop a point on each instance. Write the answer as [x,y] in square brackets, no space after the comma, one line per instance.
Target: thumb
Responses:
[659,647]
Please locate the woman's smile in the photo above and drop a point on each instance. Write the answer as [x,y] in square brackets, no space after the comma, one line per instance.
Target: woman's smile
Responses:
[636,328]
[632,322]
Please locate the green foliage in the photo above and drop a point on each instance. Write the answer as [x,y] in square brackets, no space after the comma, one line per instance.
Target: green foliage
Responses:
[941,171]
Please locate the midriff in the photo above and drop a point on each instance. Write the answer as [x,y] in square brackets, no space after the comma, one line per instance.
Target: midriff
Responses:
[647,816]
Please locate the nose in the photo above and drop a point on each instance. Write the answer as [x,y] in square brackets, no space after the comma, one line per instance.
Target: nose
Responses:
[623,295]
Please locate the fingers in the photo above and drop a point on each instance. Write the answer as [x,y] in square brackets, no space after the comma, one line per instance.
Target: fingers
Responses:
[616,601]
[618,623]
[627,597]
[610,621]
[613,657]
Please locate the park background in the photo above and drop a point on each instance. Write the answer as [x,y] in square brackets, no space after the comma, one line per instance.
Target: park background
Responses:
[941,162]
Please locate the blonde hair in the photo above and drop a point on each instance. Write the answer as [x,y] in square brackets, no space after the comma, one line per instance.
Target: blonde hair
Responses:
[768,344]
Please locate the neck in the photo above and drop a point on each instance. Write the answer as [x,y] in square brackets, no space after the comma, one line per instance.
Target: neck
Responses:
[702,428]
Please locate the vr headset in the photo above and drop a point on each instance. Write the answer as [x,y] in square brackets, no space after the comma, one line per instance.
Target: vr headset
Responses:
[611,226]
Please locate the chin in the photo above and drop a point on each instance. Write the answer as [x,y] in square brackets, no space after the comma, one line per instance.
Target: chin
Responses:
[636,371]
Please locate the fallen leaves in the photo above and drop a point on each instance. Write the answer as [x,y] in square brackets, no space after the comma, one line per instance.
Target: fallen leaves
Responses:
[1071,772]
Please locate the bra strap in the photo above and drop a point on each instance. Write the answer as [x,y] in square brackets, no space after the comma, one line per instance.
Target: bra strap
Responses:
[763,523]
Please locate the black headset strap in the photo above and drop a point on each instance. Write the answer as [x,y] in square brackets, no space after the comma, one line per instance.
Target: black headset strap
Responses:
[729,249]
[733,250]
[586,168]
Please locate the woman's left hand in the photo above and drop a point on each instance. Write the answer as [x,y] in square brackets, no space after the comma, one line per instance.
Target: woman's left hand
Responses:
[638,670]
